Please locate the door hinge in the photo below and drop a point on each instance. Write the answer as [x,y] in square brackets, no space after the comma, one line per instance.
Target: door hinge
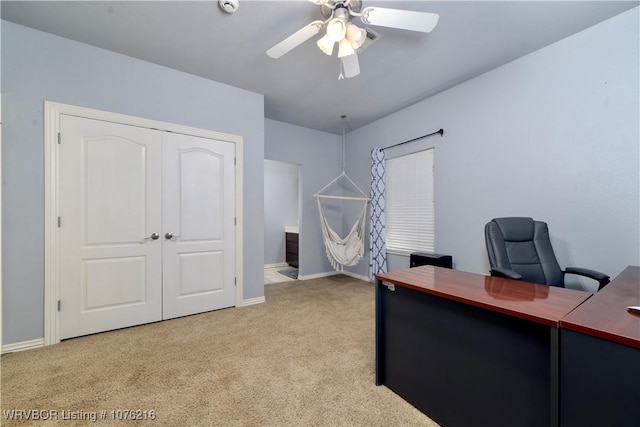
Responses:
[59,138]
[59,305]
[235,281]
[235,219]
[59,222]
[234,160]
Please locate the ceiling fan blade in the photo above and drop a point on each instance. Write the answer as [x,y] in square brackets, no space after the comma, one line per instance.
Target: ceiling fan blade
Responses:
[402,19]
[350,65]
[295,39]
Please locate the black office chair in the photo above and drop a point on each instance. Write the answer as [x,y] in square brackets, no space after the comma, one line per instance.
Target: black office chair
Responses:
[519,248]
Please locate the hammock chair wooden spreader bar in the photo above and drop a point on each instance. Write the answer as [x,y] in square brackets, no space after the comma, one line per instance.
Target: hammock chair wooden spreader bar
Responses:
[342,175]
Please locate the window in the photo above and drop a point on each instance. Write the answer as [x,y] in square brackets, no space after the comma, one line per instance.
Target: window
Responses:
[410,209]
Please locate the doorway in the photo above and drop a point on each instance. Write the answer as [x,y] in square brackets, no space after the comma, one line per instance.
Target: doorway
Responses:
[282,198]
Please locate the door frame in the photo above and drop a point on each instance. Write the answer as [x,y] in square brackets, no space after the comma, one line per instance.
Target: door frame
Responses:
[52,113]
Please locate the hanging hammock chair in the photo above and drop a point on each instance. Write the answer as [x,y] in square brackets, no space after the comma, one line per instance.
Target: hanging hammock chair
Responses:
[349,250]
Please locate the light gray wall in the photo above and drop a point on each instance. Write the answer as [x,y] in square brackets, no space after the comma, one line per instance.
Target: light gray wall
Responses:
[38,67]
[319,155]
[553,135]
[281,206]
[1,327]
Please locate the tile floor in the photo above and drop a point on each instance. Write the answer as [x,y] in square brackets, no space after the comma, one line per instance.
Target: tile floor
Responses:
[271,275]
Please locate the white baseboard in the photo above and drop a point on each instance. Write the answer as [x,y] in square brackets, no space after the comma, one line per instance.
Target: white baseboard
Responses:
[24,345]
[357,276]
[276,265]
[252,301]
[333,273]
[318,275]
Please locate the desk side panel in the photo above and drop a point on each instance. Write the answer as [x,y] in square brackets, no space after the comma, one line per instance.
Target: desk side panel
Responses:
[599,382]
[463,365]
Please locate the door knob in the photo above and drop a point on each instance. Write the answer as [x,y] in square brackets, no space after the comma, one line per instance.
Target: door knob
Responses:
[170,236]
[154,236]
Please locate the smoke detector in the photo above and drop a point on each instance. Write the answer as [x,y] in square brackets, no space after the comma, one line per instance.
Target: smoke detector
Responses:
[229,6]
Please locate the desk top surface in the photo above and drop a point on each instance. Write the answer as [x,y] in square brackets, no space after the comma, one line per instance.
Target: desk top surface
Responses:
[530,301]
[605,315]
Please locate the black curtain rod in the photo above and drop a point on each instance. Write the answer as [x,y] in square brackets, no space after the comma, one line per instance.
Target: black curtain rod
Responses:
[441,132]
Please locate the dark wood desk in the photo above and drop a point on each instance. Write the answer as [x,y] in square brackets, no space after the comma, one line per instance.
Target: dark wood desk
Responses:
[471,350]
[600,357]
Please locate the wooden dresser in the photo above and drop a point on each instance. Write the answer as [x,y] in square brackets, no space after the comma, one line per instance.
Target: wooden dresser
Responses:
[291,244]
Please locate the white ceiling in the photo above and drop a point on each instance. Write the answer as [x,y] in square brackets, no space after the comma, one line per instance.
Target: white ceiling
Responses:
[302,88]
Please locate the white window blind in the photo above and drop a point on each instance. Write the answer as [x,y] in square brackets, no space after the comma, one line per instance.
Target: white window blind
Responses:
[410,203]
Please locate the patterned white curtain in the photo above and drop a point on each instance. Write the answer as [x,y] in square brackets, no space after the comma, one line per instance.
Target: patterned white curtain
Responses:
[377,250]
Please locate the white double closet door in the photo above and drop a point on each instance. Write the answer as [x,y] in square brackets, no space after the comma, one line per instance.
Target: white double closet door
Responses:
[146,227]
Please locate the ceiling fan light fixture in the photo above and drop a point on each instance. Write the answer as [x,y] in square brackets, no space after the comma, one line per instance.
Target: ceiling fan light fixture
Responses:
[356,35]
[336,29]
[326,45]
[345,48]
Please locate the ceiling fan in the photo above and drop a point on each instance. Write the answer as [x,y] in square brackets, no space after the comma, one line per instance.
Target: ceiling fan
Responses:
[349,37]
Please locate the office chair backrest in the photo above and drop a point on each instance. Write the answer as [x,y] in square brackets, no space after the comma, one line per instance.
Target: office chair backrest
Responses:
[523,245]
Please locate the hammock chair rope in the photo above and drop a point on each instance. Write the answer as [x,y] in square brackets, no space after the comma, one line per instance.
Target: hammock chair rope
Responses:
[350,250]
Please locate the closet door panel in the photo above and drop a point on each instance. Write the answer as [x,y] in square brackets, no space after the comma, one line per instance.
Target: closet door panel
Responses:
[109,190]
[199,216]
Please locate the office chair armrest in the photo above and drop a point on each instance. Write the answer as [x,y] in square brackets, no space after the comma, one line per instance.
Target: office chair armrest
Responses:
[601,278]
[506,273]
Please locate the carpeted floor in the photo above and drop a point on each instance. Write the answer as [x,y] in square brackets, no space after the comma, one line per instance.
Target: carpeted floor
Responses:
[303,358]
